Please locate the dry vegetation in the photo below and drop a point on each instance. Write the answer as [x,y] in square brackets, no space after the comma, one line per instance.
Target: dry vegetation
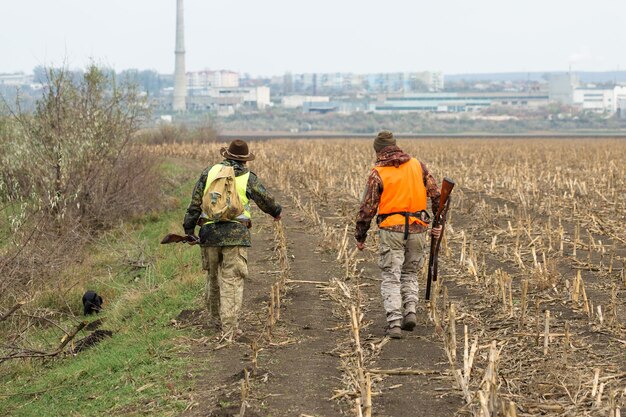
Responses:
[530,298]
[69,171]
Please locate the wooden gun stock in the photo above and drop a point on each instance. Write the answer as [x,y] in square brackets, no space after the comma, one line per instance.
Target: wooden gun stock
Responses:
[174,238]
[439,220]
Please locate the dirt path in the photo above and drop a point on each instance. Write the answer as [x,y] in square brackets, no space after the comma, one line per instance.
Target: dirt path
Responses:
[421,349]
[296,374]
[304,372]
[299,370]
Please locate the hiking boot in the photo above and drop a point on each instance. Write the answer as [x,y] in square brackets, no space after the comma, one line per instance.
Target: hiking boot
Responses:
[214,324]
[393,330]
[409,322]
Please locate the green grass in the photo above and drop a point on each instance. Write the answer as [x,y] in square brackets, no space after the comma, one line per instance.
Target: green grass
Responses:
[142,369]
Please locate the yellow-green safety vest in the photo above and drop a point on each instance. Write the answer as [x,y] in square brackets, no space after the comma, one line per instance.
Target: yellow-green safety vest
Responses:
[241,183]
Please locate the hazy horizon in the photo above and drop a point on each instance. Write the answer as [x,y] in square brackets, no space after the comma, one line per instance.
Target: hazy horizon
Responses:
[273,37]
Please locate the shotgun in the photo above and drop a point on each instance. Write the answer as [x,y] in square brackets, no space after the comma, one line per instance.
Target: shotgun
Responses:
[439,220]
[174,238]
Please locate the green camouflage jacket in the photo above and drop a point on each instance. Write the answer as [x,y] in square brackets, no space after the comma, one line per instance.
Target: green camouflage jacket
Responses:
[228,233]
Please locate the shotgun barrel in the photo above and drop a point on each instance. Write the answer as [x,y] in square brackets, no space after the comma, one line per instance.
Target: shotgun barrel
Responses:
[439,220]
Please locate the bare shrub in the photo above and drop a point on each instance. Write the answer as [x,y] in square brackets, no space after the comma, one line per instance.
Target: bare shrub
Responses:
[69,170]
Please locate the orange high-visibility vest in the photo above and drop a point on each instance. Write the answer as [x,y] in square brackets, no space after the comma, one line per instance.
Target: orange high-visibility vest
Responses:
[403,191]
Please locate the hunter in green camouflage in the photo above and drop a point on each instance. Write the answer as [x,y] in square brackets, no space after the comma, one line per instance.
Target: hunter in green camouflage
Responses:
[224,244]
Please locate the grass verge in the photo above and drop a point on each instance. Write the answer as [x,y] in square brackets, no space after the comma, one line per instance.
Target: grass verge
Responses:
[142,368]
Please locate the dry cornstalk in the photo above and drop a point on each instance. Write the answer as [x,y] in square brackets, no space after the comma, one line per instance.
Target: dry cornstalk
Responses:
[524,303]
[401,372]
[576,287]
[358,350]
[452,333]
[300,281]
[546,333]
[245,386]
[367,406]
[358,410]
[490,373]
[277,295]
[462,259]
[510,285]
[612,258]
[535,263]
[356,331]
[586,307]
[502,286]
[567,337]
[594,384]
[255,356]
[272,308]
[598,401]
[484,407]
[613,306]
[551,335]
[468,358]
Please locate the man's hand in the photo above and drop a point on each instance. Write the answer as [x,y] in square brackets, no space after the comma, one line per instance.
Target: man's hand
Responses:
[277,218]
[435,232]
[193,239]
[360,245]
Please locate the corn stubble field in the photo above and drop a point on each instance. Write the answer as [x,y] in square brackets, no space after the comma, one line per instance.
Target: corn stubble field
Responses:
[530,303]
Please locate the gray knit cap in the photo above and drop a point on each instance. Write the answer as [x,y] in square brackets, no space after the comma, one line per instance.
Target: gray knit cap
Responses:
[385,138]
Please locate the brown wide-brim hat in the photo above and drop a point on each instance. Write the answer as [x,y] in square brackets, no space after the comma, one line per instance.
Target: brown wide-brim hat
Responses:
[238,151]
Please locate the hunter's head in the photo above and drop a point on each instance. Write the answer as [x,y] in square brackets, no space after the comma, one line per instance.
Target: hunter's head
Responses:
[383,139]
[237,151]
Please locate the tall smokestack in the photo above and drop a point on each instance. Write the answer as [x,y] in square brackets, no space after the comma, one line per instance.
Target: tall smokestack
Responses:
[180,78]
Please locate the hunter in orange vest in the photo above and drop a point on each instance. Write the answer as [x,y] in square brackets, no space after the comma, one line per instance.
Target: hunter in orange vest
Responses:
[397,193]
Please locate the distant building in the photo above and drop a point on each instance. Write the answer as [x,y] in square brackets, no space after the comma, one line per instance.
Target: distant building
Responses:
[208,78]
[320,107]
[16,79]
[345,107]
[561,88]
[344,82]
[297,101]
[226,100]
[599,99]
[566,89]
[458,102]
[432,80]
[403,82]
[621,108]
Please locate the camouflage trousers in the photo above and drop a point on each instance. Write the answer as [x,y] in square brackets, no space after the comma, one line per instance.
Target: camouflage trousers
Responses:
[400,262]
[227,268]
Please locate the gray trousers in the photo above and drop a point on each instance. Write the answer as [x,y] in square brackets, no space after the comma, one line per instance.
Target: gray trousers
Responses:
[400,262]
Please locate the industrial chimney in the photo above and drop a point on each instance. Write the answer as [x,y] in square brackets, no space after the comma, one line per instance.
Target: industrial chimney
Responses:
[180,78]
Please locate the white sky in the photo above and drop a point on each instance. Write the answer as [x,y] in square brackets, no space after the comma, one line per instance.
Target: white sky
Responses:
[269,37]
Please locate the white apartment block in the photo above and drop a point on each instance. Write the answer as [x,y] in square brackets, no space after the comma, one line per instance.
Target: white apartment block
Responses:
[16,79]
[225,100]
[208,78]
[599,100]
[566,89]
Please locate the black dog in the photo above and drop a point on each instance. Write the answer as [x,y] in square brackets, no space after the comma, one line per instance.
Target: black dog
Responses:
[91,302]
